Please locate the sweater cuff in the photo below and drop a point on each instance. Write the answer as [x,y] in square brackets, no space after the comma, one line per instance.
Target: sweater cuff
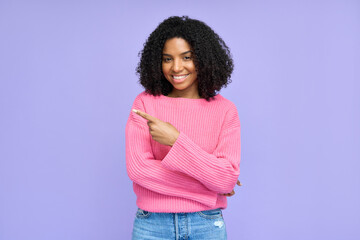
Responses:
[174,160]
[170,161]
[182,154]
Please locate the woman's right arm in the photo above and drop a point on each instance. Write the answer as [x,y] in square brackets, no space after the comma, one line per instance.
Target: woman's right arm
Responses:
[148,172]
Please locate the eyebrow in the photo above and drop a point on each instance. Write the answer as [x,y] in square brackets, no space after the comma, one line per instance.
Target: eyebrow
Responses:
[180,54]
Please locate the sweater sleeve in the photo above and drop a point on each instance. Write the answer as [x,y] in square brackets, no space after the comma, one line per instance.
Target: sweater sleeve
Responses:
[145,170]
[218,171]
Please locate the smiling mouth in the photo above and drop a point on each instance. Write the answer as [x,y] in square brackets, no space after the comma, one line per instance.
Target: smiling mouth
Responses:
[180,77]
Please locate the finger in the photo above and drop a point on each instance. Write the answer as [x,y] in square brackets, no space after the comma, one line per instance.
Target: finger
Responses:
[238,183]
[145,115]
[230,194]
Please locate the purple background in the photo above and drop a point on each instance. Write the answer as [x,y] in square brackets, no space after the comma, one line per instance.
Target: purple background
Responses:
[67,71]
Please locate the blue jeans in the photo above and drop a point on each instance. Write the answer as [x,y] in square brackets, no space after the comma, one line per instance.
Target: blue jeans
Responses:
[200,225]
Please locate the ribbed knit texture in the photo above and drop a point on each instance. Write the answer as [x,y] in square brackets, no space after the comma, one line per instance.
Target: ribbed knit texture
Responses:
[203,163]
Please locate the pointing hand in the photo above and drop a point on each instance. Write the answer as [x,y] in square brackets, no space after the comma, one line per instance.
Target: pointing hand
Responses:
[162,132]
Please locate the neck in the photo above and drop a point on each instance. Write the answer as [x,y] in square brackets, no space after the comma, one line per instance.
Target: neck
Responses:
[175,94]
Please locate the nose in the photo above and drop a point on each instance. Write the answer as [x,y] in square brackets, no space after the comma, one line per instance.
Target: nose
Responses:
[177,66]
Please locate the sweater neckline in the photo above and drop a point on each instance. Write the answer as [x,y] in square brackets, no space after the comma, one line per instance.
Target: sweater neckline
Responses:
[186,99]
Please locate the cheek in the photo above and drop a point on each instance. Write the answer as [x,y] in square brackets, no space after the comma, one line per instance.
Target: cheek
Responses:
[165,69]
[192,68]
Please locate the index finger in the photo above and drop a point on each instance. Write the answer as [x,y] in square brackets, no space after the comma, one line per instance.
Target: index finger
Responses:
[145,115]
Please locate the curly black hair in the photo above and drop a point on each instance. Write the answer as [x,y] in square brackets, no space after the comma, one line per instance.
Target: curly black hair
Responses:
[212,57]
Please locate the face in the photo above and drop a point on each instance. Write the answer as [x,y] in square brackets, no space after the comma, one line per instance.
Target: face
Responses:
[179,69]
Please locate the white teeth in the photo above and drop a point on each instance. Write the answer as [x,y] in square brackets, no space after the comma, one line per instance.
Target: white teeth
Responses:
[175,77]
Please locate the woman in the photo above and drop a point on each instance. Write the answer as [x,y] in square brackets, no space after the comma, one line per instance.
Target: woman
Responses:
[182,138]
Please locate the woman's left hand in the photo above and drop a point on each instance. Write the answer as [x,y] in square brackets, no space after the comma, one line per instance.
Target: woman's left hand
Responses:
[162,132]
[232,192]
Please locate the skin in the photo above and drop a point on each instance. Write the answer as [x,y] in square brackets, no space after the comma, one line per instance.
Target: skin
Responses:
[176,60]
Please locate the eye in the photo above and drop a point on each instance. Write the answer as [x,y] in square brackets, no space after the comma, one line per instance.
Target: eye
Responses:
[166,59]
[187,58]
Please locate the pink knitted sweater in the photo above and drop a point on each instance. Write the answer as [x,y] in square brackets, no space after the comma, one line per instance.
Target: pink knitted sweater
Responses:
[203,163]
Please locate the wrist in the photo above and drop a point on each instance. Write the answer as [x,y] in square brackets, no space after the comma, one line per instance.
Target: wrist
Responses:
[175,139]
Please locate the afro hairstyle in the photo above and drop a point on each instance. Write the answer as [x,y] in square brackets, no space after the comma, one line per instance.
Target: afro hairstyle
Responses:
[212,57]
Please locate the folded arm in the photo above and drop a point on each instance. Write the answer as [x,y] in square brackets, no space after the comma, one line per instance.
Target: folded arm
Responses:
[218,171]
[145,170]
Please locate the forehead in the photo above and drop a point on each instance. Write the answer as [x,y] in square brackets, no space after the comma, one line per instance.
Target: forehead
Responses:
[176,46]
